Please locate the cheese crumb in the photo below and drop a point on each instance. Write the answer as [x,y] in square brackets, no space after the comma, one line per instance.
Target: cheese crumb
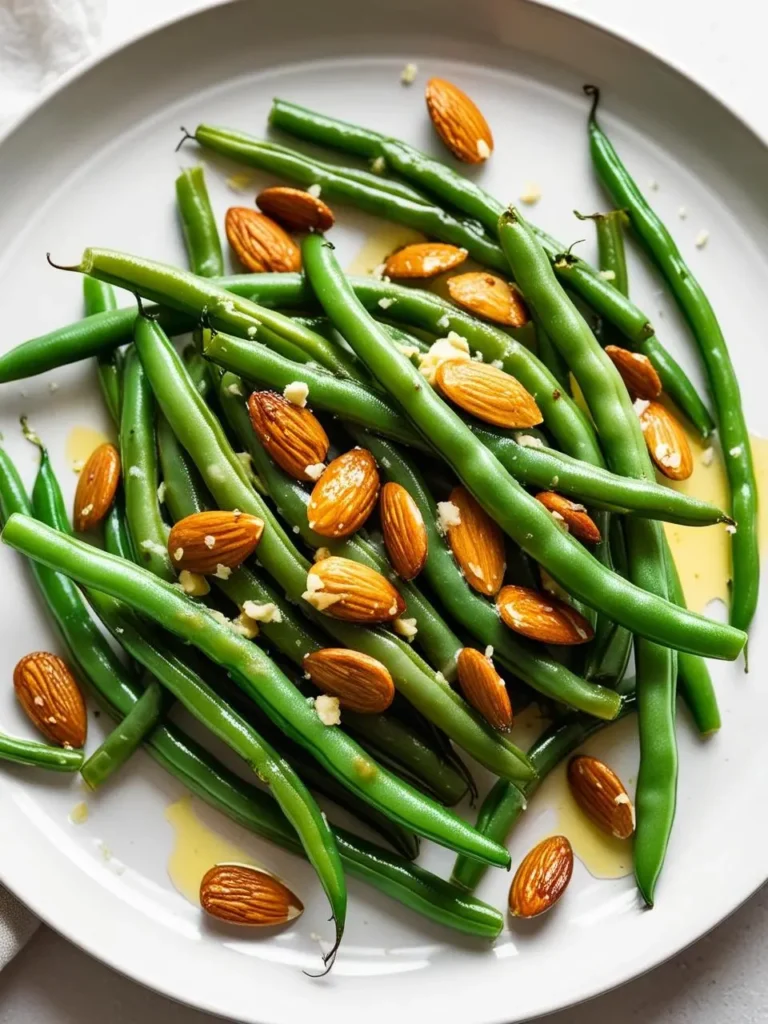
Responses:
[730,528]
[408,74]
[448,515]
[489,652]
[178,554]
[219,617]
[155,548]
[483,149]
[406,628]
[531,194]
[640,405]
[161,491]
[409,351]
[385,303]
[87,511]
[444,323]
[451,347]
[607,275]
[251,332]
[135,471]
[193,583]
[322,553]
[328,710]
[378,165]
[234,389]
[701,239]
[296,393]
[529,441]
[267,612]
[243,625]
[210,541]
[223,572]
[315,190]
[315,470]
[708,456]
[735,452]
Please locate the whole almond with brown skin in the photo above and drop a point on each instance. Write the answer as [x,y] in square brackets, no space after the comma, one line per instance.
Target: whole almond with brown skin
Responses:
[488,393]
[47,691]
[542,617]
[345,495]
[360,682]
[96,487]
[458,121]
[261,245]
[424,259]
[241,894]
[489,297]
[405,535]
[477,543]
[291,434]
[600,793]
[484,688]
[206,540]
[295,209]
[666,441]
[573,515]
[637,371]
[542,877]
[352,591]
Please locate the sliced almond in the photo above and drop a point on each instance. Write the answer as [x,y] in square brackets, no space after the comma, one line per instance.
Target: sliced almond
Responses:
[292,435]
[405,535]
[488,393]
[666,441]
[295,209]
[51,698]
[206,541]
[477,543]
[600,793]
[360,682]
[489,297]
[96,487]
[574,516]
[352,591]
[260,244]
[637,371]
[345,495]
[424,259]
[542,617]
[241,894]
[484,688]
[542,877]
[458,122]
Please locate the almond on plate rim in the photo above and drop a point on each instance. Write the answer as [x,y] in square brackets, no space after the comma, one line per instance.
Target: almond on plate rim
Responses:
[458,121]
[213,541]
[360,682]
[292,434]
[477,543]
[96,487]
[484,688]
[345,495]
[573,516]
[245,895]
[601,795]
[295,209]
[542,617]
[422,260]
[405,535]
[665,439]
[488,393]
[51,698]
[637,371]
[489,296]
[541,878]
[259,242]
[352,591]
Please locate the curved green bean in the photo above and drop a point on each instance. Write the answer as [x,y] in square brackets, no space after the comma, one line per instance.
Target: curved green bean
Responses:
[120,745]
[198,223]
[100,298]
[39,755]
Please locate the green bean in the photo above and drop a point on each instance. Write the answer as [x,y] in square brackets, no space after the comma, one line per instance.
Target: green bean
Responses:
[120,745]
[721,375]
[203,437]
[198,224]
[522,517]
[364,191]
[39,755]
[504,804]
[100,298]
[138,454]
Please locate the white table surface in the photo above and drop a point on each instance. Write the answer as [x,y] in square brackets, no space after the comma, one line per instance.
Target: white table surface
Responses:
[722,977]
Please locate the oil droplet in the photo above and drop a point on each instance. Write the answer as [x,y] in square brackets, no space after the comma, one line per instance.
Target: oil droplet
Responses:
[703,554]
[381,244]
[82,442]
[79,813]
[196,849]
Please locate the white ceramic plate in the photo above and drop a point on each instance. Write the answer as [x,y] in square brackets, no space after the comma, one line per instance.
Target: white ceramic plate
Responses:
[95,164]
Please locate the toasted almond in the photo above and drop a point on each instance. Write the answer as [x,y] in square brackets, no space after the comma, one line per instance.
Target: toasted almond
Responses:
[477,543]
[205,541]
[573,515]
[666,441]
[490,297]
[542,617]
[360,682]
[484,688]
[345,495]
[352,591]
[405,535]
[542,877]
[260,244]
[241,894]
[599,792]
[96,487]
[295,209]
[637,371]
[488,393]
[292,435]
[424,259]
[458,122]
[47,691]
